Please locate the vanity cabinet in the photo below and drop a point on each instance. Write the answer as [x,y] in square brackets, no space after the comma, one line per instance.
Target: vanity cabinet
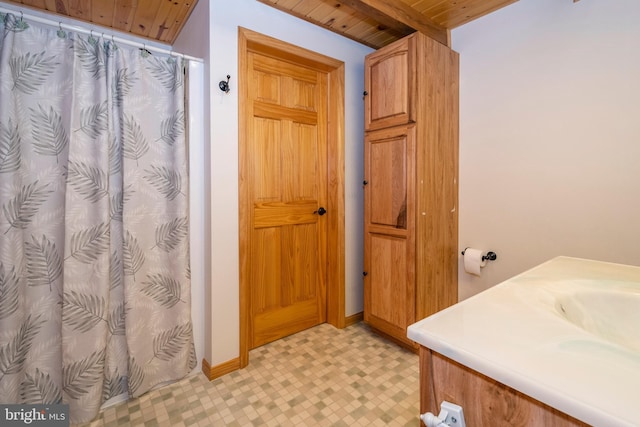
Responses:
[410,184]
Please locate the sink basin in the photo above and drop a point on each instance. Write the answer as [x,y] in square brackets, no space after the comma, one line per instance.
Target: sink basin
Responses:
[613,316]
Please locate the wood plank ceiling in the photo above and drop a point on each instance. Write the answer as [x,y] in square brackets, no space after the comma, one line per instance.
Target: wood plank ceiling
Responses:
[374,23]
[159,20]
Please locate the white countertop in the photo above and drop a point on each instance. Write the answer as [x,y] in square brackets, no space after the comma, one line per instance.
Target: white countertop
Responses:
[518,333]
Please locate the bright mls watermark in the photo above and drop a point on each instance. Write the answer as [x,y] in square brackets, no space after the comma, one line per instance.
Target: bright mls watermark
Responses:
[34,415]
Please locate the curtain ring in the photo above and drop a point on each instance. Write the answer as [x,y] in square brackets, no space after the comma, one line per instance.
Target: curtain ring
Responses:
[144,52]
[60,31]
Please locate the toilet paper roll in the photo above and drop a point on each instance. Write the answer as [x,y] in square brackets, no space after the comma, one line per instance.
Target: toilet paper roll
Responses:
[473,261]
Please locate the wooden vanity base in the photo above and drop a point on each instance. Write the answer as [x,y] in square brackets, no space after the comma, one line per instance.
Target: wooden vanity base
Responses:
[485,402]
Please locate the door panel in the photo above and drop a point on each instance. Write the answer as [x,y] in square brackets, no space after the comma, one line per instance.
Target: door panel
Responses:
[289,181]
[266,158]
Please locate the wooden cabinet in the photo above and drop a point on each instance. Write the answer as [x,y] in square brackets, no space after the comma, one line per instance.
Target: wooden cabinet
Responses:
[411,191]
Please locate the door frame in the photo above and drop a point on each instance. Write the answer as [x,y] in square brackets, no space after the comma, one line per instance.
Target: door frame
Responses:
[251,41]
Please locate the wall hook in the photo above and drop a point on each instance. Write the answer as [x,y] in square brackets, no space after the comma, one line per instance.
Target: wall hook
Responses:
[224,86]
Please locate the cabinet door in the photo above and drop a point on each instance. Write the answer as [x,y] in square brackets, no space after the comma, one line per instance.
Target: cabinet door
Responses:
[389,282]
[388,84]
[387,168]
[389,285]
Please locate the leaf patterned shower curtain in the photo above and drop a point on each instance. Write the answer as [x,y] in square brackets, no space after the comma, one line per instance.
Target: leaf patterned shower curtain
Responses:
[94,263]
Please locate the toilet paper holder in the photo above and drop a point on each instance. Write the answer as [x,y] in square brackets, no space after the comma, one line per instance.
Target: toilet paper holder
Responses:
[490,256]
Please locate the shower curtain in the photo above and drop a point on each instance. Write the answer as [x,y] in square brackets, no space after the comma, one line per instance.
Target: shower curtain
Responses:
[94,262]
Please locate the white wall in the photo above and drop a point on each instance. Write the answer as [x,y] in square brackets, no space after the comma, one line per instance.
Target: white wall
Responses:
[222,316]
[197,218]
[550,135]
[195,43]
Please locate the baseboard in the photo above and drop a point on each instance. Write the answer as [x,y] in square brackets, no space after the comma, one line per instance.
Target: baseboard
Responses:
[213,372]
[353,319]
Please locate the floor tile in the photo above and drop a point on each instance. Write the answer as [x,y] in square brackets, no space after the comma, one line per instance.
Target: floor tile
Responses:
[319,377]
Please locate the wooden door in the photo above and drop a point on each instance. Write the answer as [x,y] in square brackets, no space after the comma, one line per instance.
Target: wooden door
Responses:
[389,291]
[287,159]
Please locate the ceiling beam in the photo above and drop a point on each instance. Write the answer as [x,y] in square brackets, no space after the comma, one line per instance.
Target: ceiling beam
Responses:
[398,15]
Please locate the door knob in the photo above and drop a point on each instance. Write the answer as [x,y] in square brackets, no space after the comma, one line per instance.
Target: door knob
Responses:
[321,211]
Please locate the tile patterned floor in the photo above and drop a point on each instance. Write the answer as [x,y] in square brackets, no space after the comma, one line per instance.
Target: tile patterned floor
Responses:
[320,377]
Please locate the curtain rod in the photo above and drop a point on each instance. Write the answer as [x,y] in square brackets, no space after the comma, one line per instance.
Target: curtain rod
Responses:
[77,28]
